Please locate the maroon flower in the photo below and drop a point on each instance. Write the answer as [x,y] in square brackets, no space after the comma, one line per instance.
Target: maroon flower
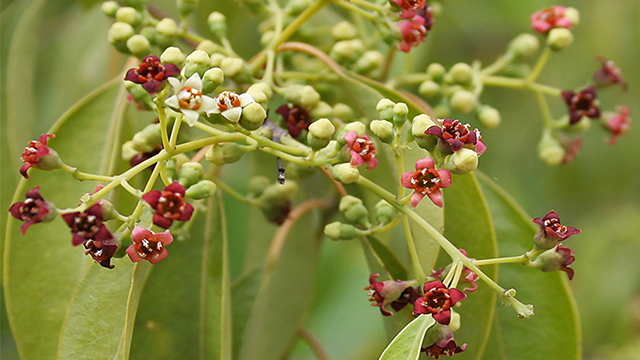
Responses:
[151,73]
[609,74]
[551,232]
[618,124]
[148,245]
[33,209]
[297,118]
[413,32]
[558,258]
[454,136]
[544,20]
[88,225]
[101,251]
[363,150]
[408,8]
[169,205]
[142,156]
[442,343]
[39,155]
[396,293]
[581,104]
[438,300]
[426,180]
[468,277]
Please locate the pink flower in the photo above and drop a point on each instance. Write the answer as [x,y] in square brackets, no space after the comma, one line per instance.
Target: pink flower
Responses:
[618,124]
[426,180]
[544,20]
[169,205]
[609,74]
[33,209]
[362,151]
[151,73]
[39,155]
[454,136]
[148,245]
[408,7]
[438,300]
[413,32]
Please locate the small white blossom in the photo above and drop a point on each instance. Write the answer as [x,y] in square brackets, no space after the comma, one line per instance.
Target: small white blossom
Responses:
[187,97]
[229,104]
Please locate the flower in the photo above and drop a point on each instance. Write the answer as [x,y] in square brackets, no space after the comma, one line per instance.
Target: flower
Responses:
[362,151]
[413,32]
[442,342]
[581,104]
[87,225]
[544,20]
[618,124]
[609,74]
[558,258]
[148,245]
[33,209]
[101,251]
[142,156]
[408,8]
[438,300]
[229,104]
[468,276]
[151,73]
[426,180]
[297,118]
[396,293]
[39,155]
[454,136]
[187,97]
[169,205]
[551,231]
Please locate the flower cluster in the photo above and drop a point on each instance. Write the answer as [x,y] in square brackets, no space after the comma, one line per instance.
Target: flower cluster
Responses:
[548,237]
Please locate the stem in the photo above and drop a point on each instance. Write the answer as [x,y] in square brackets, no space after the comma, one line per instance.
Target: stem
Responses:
[174,132]
[236,195]
[498,65]
[544,108]
[314,343]
[83,176]
[356,10]
[542,61]
[505,260]
[413,253]
[522,84]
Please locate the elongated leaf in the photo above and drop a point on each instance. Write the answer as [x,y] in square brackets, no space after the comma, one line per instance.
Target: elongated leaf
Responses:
[395,268]
[555,323]
[406,345]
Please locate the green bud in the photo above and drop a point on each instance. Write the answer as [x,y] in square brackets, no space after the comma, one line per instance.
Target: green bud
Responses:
[218,24]
[400,112]
[128,15]
[572,14]
[197,62]
[369,62]
[354,210]
[385,213]
[321,110]
[147,139]
[581,126]
[461,162]
[383,129]
[267,37]
[343,112]
[172,55]
[216,59]
[167,27]
[256,186]
[110,8]
[138,4]
[517,70]
[347,51]
[344,30]
[385,109]
[187,6]
[227,153]
[253,116]
[212,79]
[463,101]
[489,117]
[128,152]
[201,190]
[296,7]
[550,150]
[430,89]
[523,46]
[295,171]
[339,231]
[279,193]
[419,125]
[345,173]
[437,71]
[309,97]
[140,95]
[190,173]
[236,69]
[461,73]
[559,38]
[150,33]
[175,164]
[320,133]
[356,126]
[207,46]
[138,45]
[118,35]
[442,110]
[262,86]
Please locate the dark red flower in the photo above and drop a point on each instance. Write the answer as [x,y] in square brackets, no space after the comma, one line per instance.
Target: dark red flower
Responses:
[169,205]
[101,251]
[618,124]
[33,209]
[571,147]
[148,245]
[558,258]
[426,180]
[438,300]
[408,8]
[551,231]
[142,156]
[413,32]
[454,136]
[468,277]
[151,73]
[363,150]
[442,342]
[609,74]
[87,225]
[394,293]
[544,20]
[581,104]
[39,155]
[297,118]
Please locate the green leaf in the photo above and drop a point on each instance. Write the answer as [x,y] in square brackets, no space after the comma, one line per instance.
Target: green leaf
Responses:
[406,345]
[553,332]
[391,263]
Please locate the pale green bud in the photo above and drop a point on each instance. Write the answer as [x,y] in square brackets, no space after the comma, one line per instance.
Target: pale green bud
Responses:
[437,71]
[582,125]
[419,125]
[309,97]
[138,45]
[461,73]
[227,153]
[572,14]
[463,101]
[400,112]
[253,116]
[320,133]
[442,111]
[119,33]
[517,70]
[550,150]
[321,110]
[331,149]
[295,171]
[150,33]
[186,7]
[190,173]
[347,51]
[212,79]
[201,190]
[559,38]
[279,193]
[110,8]
[344,30]
[172,55]
[385,213]
[430,89]
[461,162]
[354,210]
[207,46]
[383,129]
[262,86]
[128,152]
[489,117]
[218,24]
[256,186]
[342,111]
[147,139]
[345,173]
[174,164]
[128,15]
[356,126]
[140,95]
[216,59]
[167,27]
[385,109]
[339,231]
[258,95]
[369,62]
[236,69]
[267,37]
[196,62]
[523,46]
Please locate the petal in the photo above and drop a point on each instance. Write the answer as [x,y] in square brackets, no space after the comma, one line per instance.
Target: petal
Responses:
[436,284]
[445,178]
[164,237]
[162,221]
[15,210]
[171,69]
[176,187]
[443,317]
[207,105]
[245,99]
[436,197]
[424,163]
[159,256]
[191,116]
[152,86]
[173,100]
[77,239]
[68,218]
[194,81]
[434,130]
[350,137]
[373,162]
[232,114]
[103,234]
[132,76]
[480,148]
[356,159]
[151,197]
[416,197]
[176,85]
[133,254]
[140,233]
[23,170]
[405,179]
[456,295]
[186,213]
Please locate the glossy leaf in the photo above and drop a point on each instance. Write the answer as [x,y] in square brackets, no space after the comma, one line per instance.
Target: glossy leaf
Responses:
[386,256]
[406,345]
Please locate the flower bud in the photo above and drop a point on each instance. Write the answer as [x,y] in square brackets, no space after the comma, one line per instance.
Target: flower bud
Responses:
[309,97]
[212,79]
[369,62]
[354,210]
[557,258]
[167,27]
[343,112]
[118,35]
[461,73]
[227,153]
[523,46]
[256,186]
[489,117]
[216,59]
[559,38]
[140,95]
[517,70]
[344,31]
[442,110]
[172,55]
[235,69]
[295,171]
[147,139]
[128,152]
[207,46]
[218,24]
[110,8]
[347,51]
[419,125]
[385,109]
[253,116]
[138,45]
[258,95]
[550,150]
[461,162]
[187,6]
[430,89]
[356,126]
[463,101]
[262,86]
[321,110]
[201,190]
[196,62]
[573,15]
[345,173]
[437,71]
[400,112]
[383,129]
[267,38]
[320,133]
[339,231]
[279,193]
[190,173]
[174,164]
[128,15]
[385,213]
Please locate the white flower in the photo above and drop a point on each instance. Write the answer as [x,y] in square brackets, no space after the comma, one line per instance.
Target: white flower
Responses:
[187,97]
[229,104]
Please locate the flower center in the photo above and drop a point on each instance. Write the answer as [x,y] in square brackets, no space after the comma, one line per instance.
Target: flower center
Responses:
[227,100]
[426,181]
[86,225]
[30,209]
[147,248]
[455,130]
[30,153]
[171,205]
[365,148]
[437,300]
[190,98]
[555,226]
[583,103]
[150,70]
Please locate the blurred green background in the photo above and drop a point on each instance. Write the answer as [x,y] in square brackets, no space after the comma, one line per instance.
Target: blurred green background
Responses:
[596,192]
